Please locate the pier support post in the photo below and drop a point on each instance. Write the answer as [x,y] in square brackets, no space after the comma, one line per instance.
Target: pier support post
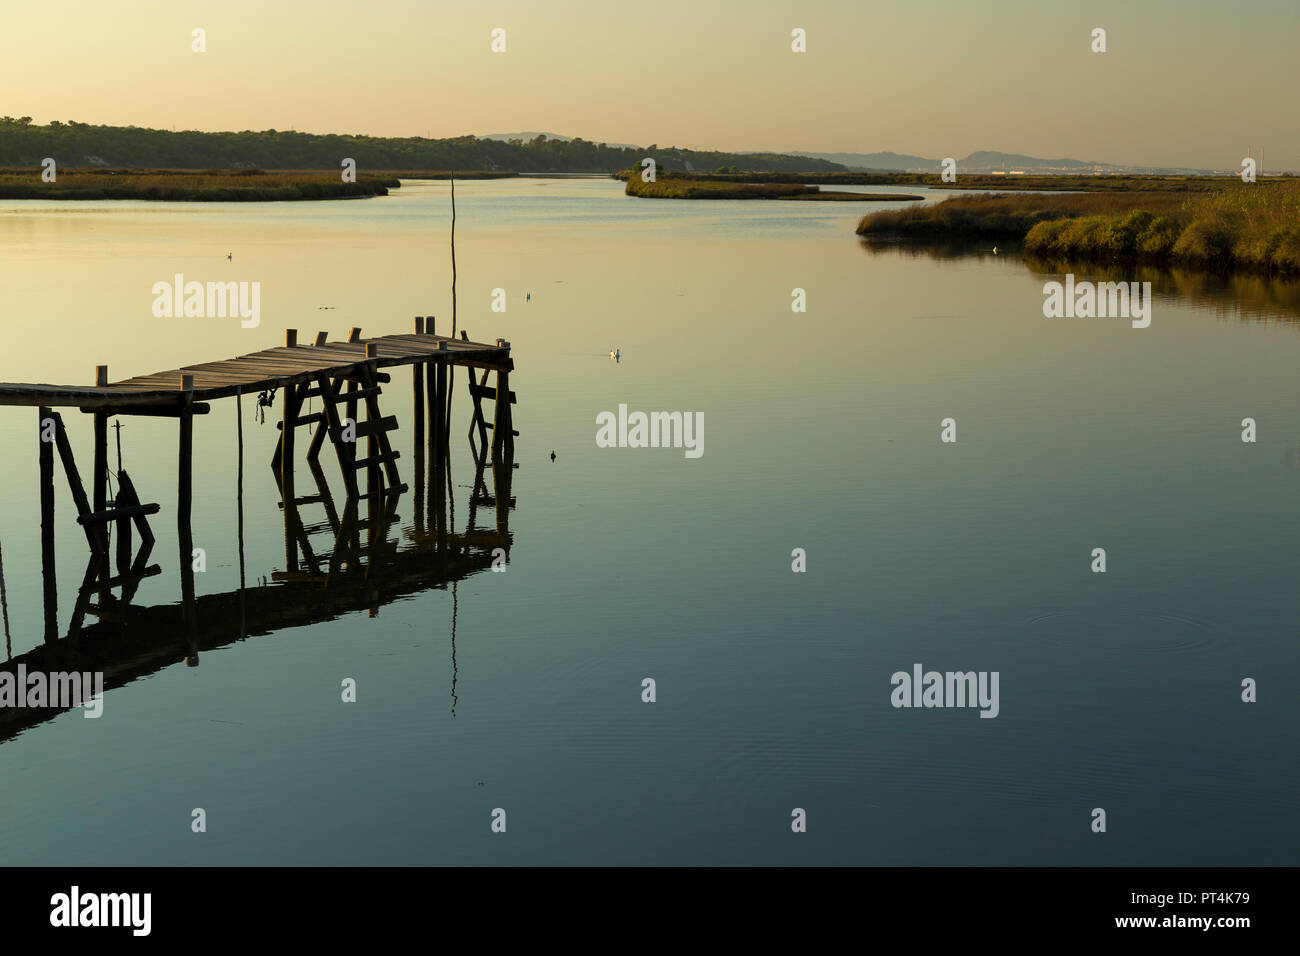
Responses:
[417,391]
[437,410]
[49,579]
[287,491]
[184,529]
[99,480]
[437,445]
[99,477]
[502,475]
[501,427]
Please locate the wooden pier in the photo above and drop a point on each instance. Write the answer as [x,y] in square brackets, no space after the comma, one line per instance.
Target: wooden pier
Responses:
[346,377]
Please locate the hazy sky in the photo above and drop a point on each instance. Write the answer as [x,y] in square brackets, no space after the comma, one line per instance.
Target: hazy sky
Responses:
[1183,82]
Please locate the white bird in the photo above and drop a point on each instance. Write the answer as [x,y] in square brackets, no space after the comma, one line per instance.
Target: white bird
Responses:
[995,250]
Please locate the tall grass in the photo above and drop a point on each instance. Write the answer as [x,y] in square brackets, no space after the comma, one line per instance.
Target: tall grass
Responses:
[1079,183]
[673,185]
[212,185]
[677,187]
[1249,227]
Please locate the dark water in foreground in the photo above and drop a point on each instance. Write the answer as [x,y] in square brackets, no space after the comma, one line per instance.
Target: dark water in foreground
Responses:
[1118,690]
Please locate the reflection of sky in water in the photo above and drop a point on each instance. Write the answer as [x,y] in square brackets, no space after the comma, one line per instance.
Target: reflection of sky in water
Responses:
[821,432]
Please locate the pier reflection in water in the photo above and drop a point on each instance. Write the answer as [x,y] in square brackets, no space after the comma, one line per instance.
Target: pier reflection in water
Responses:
[342,554]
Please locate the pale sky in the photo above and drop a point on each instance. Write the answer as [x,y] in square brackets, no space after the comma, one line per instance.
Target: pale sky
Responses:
[1183,82]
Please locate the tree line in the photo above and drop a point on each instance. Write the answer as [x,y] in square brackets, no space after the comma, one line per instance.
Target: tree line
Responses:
[72,144]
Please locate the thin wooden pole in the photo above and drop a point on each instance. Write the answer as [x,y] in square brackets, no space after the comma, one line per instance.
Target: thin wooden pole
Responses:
[4,607]
[239,505]
[49,579]
[453,257]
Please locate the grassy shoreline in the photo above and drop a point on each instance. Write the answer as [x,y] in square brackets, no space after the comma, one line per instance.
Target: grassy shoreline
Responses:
[1106,183]
[671,185]
[1238,226]
[178,185]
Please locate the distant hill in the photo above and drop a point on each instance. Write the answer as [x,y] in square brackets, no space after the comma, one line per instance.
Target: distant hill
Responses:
[875,162]
[984,161]
[529,137]
[987,161]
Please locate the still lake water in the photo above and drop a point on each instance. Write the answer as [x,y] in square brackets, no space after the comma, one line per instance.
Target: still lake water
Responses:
[1118,690]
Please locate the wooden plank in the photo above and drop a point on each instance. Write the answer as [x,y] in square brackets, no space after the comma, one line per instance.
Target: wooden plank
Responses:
[483,391]
[276,367]
[94,536]
[385,424]
[377,459]
[161,411]
[115,514]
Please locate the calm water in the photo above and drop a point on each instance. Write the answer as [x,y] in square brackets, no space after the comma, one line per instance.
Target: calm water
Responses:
[1119,691]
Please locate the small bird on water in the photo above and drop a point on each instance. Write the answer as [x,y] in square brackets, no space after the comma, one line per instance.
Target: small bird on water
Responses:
[229,257]
[552,456]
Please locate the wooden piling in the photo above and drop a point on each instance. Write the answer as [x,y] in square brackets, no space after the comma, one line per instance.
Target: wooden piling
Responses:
[501,414]
[502,475]
[99,477]
[374,480]
[184,499]
[49,579]
[440,443]
[123,544]
[417,440]
[287,492]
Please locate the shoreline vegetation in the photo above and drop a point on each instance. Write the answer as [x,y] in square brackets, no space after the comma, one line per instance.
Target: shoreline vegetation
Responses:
[672,185]
[1230,226]
[179,185]
[1100,183]
[24,143]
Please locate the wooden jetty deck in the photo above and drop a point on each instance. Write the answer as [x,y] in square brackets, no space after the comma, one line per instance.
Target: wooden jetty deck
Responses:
[270,368]
[345,376]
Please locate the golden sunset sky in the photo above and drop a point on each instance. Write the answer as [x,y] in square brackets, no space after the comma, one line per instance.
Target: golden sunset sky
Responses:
[1183,82]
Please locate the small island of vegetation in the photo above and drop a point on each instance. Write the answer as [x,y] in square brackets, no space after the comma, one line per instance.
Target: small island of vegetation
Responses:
[673,185]
[179,185]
